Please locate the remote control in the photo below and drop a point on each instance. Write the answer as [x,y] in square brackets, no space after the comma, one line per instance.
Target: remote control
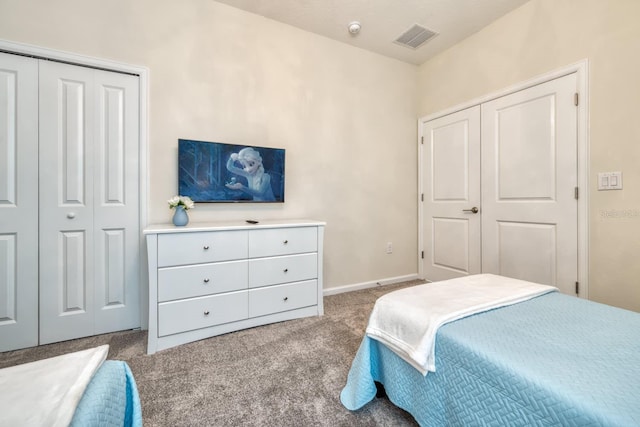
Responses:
[252,221]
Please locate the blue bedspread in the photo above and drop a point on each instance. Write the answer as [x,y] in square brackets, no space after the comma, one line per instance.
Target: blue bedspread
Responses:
[553,360]
[110,399]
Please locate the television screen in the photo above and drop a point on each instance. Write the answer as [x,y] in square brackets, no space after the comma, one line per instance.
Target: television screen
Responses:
[217,172]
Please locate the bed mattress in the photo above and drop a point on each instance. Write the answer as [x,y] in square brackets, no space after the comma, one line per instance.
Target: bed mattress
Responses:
[552,360]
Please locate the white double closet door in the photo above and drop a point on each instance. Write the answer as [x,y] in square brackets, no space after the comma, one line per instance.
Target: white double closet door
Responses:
[69,202]
[500,183]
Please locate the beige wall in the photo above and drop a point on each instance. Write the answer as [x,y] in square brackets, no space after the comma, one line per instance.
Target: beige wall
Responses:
[345,116]
[544,35]
[348,117]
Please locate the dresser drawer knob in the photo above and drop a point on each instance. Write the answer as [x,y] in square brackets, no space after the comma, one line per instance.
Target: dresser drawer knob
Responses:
[206,280]
[286,299]
[206,247]
[285,242]
[206,313]
[285,270]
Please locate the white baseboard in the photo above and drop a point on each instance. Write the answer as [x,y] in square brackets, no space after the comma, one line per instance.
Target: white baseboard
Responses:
[367,285]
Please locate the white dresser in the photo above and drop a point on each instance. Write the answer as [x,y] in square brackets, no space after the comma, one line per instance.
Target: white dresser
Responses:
[208,279]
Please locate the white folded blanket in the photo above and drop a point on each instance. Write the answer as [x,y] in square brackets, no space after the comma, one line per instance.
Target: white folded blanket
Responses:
[407,320]
[47,392]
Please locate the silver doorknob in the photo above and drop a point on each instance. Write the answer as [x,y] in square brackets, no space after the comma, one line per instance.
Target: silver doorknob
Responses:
[472,210]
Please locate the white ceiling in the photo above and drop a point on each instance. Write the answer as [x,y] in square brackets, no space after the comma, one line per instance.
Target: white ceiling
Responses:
[383,21]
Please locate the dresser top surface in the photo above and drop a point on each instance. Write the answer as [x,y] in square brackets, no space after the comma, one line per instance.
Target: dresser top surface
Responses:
[230,225]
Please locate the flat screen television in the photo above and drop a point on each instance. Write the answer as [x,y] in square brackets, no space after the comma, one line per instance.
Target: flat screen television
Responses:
[217,172]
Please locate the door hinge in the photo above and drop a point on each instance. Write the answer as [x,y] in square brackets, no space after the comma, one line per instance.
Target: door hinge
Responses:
[577,288]
[575,98]
[422,197]
[422,140]
[422,254]
[576,193]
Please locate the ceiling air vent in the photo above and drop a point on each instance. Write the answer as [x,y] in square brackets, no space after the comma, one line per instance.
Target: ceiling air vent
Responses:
[415,36]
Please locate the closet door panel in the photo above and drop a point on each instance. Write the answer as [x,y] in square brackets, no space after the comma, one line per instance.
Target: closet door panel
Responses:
[451,191]
[116,214]
[18,202]
[72,141]
[8,285]
[529,177]
[66,202]
[73,274]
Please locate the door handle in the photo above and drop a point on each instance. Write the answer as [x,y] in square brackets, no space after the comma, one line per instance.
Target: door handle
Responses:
[472,210]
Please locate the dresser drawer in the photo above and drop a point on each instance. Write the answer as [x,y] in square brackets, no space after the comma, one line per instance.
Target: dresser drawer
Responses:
[282,241]
[274,299]
[282,269]
[202,279]
[194,248]
[202,312]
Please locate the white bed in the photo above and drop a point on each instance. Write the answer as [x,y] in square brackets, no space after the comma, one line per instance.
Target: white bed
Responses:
[550,360]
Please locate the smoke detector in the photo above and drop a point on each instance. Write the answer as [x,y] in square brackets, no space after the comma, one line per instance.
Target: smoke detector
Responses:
[354,27]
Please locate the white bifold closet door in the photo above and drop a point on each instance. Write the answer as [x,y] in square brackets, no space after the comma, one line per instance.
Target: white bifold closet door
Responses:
[89,233]
[76,236]
[18,202]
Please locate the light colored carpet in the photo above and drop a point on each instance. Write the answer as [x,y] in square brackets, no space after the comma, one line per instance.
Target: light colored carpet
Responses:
[285,374]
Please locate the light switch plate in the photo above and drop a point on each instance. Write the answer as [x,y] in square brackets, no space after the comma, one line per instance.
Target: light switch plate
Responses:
[609,181]
[615,181]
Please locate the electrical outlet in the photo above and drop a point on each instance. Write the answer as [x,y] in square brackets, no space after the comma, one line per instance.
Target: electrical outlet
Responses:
[389,247]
